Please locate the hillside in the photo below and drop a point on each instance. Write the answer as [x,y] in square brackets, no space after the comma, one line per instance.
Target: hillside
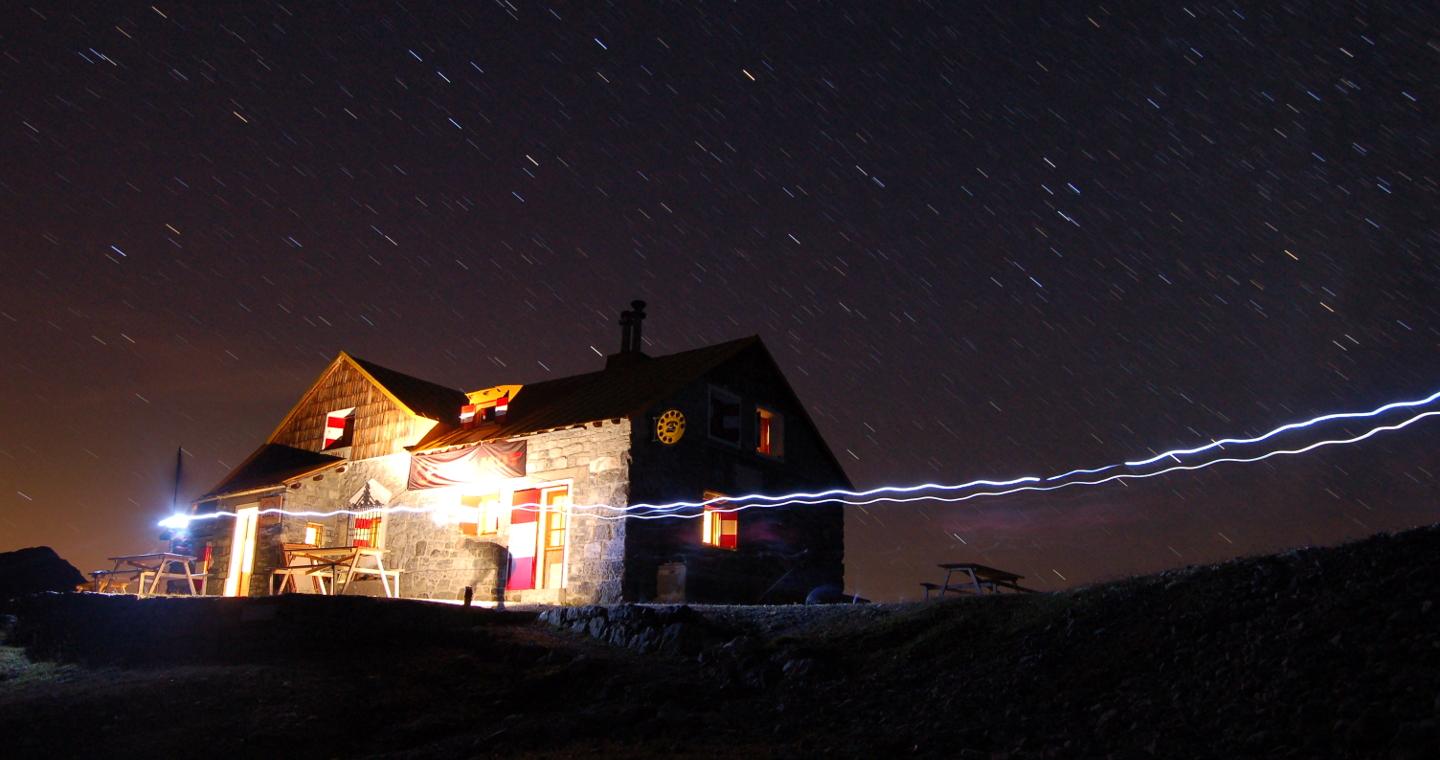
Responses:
[1317,652]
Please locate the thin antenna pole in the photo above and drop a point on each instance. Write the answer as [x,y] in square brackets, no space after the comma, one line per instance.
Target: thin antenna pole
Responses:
[175,494]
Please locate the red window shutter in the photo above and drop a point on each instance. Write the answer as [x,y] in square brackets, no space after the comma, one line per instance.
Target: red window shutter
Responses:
[524,514]
[729,530]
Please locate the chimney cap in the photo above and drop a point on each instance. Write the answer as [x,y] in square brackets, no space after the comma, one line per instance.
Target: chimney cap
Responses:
[630,335]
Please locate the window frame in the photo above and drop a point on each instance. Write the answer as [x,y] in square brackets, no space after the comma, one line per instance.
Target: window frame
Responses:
[714,520]
[718,392]
[348,434]
[374,533]
[776,428]
[487,513]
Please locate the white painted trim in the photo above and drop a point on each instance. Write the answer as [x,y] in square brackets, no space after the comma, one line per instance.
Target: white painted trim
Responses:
[242,549]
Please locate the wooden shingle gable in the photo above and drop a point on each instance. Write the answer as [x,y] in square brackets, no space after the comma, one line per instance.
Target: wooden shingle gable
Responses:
[384,421]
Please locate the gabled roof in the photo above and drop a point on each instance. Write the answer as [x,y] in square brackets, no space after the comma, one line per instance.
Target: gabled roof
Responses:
[269,466]
[619,390]
[421,397]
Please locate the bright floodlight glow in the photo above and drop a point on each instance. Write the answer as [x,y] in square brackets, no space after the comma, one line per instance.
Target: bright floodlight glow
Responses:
[176,522]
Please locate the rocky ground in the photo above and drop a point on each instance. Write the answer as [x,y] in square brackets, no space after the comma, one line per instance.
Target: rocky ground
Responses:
[1312,653]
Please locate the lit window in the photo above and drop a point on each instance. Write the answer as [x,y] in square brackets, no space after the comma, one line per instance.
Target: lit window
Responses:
[314,534]
[480,514]
[724,417]
[339,429]
[368,530]
[769,432]
[719,527]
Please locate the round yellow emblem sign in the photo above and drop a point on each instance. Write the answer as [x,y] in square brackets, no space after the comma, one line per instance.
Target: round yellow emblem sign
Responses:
[669,427]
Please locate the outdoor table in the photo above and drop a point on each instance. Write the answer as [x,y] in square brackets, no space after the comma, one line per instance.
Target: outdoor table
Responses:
[157,566]
[349,561]
[981,577]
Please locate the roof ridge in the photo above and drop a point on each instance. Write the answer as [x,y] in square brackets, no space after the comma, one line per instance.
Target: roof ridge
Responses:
[607,393]
[367,364]
[640,365]
[413,399]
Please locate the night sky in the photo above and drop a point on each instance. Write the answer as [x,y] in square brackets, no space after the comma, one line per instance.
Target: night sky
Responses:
[982,241]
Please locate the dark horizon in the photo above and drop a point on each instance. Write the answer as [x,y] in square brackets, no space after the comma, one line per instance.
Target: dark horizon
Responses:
[980,243]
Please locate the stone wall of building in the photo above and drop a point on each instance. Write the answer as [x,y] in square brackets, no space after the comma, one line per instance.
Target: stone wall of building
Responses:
[216,533]
[436,559]
[595,459]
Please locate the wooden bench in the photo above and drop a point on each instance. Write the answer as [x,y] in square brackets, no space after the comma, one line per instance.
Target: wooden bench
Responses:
[389,578]
[106,581]
[154,571]
[341,565]
[930,587]
[298,565]
[975,579]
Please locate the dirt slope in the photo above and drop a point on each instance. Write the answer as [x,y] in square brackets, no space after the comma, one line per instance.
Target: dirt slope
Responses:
[1314,653]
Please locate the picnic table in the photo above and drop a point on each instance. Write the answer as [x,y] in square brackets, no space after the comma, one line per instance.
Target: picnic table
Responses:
[148,572]
[975,579]
[340,564]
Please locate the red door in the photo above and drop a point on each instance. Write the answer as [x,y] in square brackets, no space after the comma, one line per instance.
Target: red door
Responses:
[524,532]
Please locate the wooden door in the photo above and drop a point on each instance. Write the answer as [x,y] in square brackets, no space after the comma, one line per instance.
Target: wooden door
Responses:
[242,551]
[556,513]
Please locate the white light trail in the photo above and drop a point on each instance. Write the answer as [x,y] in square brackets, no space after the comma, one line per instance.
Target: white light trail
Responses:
[694,509]
[1021,489]
[1174,453]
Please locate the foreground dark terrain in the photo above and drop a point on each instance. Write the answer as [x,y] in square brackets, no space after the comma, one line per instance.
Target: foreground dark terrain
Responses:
[1312,653]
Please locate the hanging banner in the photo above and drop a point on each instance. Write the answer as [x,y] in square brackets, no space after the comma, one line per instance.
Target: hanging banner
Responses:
[482,461]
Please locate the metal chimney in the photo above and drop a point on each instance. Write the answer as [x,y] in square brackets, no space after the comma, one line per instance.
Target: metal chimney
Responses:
[637,316]
[627,328]
[629,352]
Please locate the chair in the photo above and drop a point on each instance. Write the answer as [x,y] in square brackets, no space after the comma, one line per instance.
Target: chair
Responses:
[296,566]
[389,578]
[106,581]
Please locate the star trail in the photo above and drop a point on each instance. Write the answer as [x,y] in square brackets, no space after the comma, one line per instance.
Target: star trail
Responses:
[979,239]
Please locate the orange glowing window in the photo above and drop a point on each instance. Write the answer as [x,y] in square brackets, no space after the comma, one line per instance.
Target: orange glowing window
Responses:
[769,432]
[480,514]
[719,527]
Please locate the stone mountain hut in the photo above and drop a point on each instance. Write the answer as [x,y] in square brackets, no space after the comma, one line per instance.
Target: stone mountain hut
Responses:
[500,479]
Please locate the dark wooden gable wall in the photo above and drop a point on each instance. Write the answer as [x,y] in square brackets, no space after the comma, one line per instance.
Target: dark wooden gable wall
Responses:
[784,553]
